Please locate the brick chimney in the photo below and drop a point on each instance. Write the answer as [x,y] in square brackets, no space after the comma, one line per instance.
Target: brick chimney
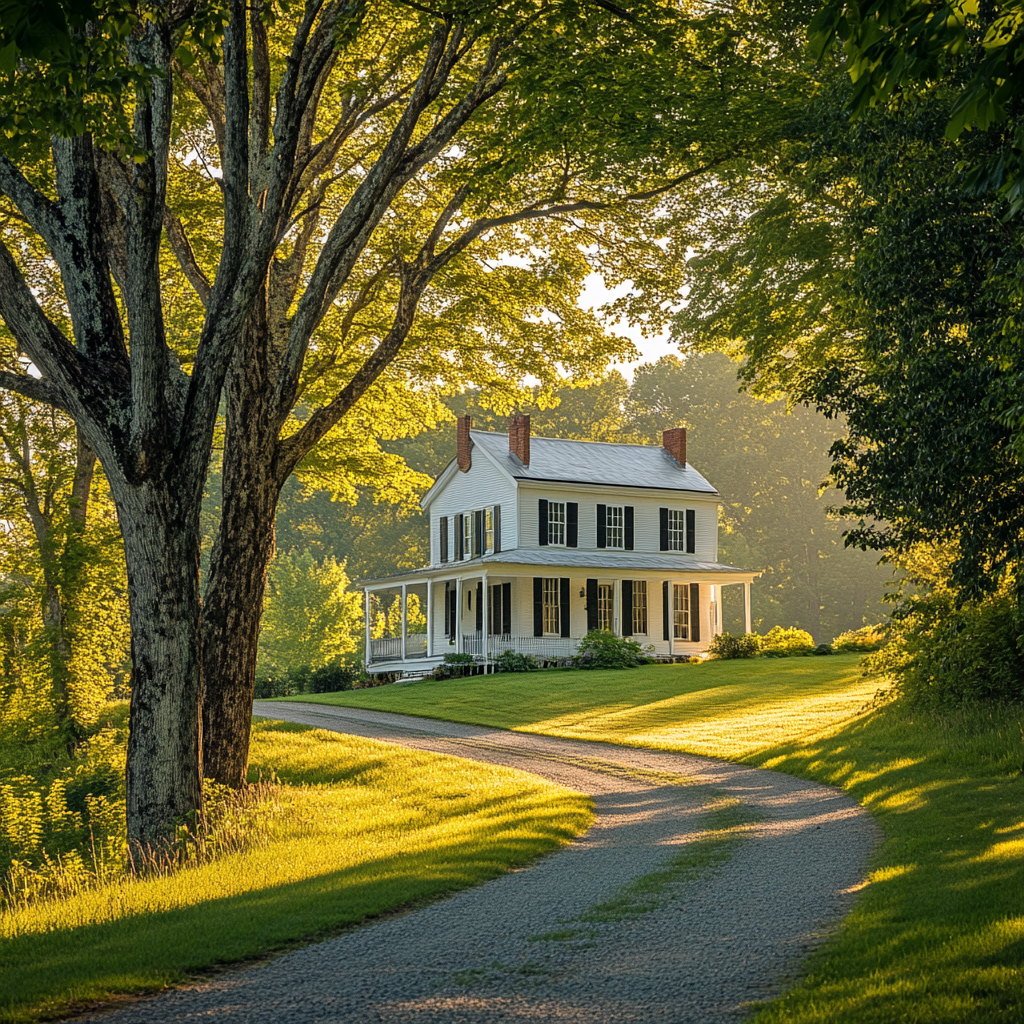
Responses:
[463,444]
[674,442]
[519,438]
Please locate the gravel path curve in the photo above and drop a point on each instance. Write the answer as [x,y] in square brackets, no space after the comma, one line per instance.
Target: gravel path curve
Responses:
[714,945]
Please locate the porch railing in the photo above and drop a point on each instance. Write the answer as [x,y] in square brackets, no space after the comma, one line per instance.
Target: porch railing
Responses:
[541,647]
[389,648]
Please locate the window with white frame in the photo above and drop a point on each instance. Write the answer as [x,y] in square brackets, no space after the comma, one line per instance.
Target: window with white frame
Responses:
[639,607]
[605,606]
[676,530]
[467,535]
[488,530]
[614,526]
[681,611]
[552,618]
[556,522]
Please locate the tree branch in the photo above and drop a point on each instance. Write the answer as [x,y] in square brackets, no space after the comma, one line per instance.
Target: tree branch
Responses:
[33,388]
[186,257]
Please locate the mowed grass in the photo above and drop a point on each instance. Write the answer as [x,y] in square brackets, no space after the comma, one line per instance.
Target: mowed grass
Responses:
[362,828]
[936,935]
[719,708]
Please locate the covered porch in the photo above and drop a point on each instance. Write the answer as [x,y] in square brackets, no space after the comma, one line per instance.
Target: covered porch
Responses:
[488,606]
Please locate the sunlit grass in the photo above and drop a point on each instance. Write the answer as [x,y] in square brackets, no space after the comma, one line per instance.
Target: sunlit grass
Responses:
[937,932]
[719,708]
[364,827]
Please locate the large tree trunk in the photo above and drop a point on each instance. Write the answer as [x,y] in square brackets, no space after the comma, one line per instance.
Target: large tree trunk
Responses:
[160,527]
[233,600]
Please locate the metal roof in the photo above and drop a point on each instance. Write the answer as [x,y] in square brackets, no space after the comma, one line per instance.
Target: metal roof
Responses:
[562,558]
[594,462]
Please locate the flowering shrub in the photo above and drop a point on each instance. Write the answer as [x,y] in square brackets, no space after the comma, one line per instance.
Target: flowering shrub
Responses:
[513,661]
[786,643]
[867,638]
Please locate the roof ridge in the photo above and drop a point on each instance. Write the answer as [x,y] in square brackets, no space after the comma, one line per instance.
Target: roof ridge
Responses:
[574,440]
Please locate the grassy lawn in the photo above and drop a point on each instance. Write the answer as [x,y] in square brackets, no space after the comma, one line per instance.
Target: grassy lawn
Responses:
[360,828]
[937,934]
[720,708]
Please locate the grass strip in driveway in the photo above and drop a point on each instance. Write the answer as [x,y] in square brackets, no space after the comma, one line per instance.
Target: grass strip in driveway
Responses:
[364,828]
[937,934]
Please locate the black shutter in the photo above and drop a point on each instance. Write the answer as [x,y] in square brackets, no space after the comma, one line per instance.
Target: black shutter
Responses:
[663,528]
[695,612]
[691,531]
[602,526]
[572,524]
[538,606]
[627,607]
[664,608]
[478,532]
[447,610]
[628,518]
[453,613]
[458,537]
[542,522]
[506,609]
[563,594]
[479,607]
[497,528]
[444,540]
[591,605]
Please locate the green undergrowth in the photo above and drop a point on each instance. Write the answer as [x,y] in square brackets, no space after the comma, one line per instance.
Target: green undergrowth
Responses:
[936,935]
[360,828]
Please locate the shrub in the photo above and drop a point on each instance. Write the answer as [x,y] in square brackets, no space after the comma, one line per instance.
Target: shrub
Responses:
[823,649]
[944,657]
[454,666]
[867,638]
[513,661]
[734,645]
[331,678]
[786,643]
[603,649]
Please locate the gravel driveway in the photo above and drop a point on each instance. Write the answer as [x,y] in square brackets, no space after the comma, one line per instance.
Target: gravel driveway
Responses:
[709,948]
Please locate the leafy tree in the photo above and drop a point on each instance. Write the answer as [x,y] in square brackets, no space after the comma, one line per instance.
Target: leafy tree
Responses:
[311,617]
[310,211]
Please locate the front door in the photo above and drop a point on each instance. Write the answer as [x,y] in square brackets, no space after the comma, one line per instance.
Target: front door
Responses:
[605,606]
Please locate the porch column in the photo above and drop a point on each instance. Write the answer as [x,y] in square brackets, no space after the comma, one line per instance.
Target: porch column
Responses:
[430,618]
[405,617]
[458,615]
[366,653]
[746,605]
[671,619]
[484,621]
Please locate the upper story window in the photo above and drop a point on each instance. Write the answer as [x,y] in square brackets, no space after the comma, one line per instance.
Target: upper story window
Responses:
[615,533]
[488,530]
[676,530]
[679,530]
[556,522]
[467,534]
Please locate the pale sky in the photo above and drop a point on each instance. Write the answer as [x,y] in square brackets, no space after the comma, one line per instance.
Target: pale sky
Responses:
[595,295]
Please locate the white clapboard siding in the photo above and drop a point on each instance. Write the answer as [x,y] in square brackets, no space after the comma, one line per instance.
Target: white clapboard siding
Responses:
[483,485]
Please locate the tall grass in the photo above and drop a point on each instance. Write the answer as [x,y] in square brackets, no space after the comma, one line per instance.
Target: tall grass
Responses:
[355,828]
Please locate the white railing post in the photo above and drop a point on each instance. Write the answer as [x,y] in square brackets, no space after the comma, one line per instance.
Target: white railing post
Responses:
[671,619]
[746,605]
[367,656]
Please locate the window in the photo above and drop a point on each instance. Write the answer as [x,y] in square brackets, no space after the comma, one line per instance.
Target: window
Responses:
[614,526]
[681,611]
[605,606]
[640,607]
[467,535]
[551,608]
[488,530]
[676,530]
[556,522]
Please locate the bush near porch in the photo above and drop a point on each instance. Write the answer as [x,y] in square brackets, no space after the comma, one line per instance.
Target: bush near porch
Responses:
[937,932]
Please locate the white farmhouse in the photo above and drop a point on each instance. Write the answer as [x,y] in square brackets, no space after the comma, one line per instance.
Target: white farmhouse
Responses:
[536,541]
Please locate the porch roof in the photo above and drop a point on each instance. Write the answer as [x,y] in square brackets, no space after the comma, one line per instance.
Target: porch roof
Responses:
[562,558]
